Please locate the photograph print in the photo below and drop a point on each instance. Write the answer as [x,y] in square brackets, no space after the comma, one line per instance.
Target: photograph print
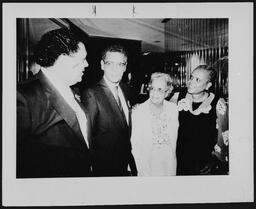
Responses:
[122,97]
[127,104]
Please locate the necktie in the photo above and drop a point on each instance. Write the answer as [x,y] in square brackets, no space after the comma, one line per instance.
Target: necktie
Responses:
[117,98]
[120,104]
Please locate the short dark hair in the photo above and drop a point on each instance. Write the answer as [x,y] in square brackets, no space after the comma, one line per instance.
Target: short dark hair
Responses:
[212,72]
[53,44]
[114,48]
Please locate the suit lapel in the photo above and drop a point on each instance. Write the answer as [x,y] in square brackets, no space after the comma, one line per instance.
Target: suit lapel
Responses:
[113,103]
[61,106]
[129,108]
[127,104]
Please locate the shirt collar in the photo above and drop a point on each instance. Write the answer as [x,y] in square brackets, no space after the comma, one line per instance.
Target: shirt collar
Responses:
[110,84]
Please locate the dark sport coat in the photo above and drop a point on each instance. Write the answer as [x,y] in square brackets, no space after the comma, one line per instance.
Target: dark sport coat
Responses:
[49,140]
[110,139]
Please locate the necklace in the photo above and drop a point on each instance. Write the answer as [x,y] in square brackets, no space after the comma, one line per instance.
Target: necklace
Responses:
[201,99]
[186,104]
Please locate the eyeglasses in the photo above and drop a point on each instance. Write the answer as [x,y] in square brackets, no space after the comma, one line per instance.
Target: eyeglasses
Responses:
[158,90]
[119,64]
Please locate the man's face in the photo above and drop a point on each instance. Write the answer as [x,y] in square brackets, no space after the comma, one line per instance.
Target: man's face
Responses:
[71,67]
[114,66]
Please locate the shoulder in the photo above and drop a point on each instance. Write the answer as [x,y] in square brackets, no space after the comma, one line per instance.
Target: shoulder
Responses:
[30,88]
[87,91]
[124,86]
[171,105]
[174,98]
[140,108]
[88,97]
[92,90]
[182,93]
[33,94]
[221,106]
[221,100]
[171,109]
[28,83]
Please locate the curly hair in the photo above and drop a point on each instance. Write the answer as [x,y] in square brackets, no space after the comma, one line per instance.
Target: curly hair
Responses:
[53,44]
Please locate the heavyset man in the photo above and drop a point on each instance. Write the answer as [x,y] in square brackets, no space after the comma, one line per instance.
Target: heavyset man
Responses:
[52,127]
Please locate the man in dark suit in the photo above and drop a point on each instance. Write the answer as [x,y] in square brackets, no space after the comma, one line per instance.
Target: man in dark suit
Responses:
[109,112]
[50,142]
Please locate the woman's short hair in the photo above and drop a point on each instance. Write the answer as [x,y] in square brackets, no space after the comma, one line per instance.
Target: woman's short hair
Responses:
[53,44]
[212,72]
[165,76]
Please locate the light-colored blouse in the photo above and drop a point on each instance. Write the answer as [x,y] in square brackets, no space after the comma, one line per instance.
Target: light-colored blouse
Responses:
[154,139]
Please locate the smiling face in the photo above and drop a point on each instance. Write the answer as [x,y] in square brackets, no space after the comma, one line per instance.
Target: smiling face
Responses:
[114,66]
[199,82]
[70,67]
[158,91]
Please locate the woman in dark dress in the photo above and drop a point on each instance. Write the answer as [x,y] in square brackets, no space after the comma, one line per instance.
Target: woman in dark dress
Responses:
[198,141]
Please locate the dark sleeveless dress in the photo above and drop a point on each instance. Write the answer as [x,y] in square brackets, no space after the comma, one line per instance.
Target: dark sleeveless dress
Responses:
[197,136]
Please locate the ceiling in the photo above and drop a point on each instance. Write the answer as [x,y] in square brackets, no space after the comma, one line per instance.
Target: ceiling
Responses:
[179,34]
[149,31]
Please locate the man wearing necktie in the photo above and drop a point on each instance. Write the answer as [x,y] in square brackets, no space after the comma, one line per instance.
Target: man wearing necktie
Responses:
[52,127]
[109,112]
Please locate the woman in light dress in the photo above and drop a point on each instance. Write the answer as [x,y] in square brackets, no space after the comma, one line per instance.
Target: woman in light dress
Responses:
[154,130]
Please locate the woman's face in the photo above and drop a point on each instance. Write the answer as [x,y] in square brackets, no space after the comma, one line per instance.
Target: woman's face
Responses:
[198,82]
[158,91]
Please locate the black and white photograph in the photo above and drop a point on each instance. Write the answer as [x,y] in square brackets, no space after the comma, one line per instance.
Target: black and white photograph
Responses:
[113,104]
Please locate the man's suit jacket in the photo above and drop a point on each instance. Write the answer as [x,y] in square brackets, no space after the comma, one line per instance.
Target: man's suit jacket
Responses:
[110,140]
[49,140]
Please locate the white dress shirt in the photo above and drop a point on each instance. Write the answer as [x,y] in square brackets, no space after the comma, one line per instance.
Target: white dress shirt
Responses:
[66,92]
[121,96]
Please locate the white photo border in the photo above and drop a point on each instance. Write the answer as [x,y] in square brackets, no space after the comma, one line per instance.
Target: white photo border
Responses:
[235,187]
